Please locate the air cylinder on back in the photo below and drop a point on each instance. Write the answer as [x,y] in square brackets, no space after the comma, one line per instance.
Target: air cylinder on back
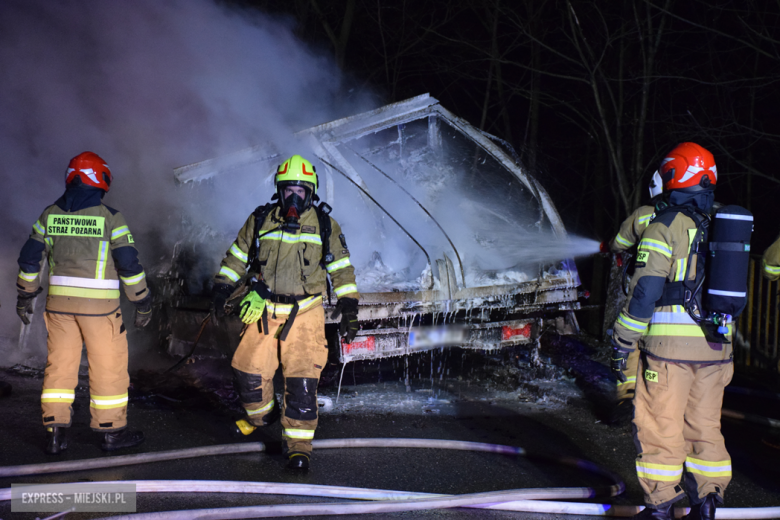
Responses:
[727,261]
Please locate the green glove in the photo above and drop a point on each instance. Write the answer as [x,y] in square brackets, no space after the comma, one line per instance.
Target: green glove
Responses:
[251,307]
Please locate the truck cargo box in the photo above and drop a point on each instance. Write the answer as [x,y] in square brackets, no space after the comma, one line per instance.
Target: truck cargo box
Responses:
[448,234]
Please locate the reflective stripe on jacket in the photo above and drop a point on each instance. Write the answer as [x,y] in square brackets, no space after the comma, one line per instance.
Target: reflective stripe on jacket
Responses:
[632,228]
[90,251]
[666,332]
[290,262]
[771,261]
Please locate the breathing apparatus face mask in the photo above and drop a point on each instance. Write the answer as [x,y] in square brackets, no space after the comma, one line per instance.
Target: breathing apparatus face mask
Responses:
[293,206]
[295,201]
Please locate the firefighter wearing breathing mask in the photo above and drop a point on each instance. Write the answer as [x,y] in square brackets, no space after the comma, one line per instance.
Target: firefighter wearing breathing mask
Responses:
[682,372]
[289,247]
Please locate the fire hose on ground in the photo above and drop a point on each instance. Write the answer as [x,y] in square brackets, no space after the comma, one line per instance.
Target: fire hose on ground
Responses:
[380,501]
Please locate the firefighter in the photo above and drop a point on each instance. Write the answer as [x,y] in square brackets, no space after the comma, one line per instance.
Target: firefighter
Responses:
[771,271]
[681,374]
[289,248]
[633,227]
[89,249]
[771,261]
[630,231]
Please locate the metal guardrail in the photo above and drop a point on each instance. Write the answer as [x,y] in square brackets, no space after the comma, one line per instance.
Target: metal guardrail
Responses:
[758,327]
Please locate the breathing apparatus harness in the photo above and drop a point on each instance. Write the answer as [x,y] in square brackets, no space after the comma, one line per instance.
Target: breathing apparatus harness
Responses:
[289,224]
[722,253]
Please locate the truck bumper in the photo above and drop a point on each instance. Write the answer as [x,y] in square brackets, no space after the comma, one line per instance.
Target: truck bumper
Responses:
[382,343]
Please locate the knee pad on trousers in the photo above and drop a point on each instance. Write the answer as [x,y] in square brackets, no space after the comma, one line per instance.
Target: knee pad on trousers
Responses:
[250,386]
[301,398]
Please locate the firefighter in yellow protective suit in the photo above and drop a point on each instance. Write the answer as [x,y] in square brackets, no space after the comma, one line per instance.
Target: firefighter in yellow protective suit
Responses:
[681,374]
[771,271]
[771,261]
[289,248]
[630,231]
[90,250]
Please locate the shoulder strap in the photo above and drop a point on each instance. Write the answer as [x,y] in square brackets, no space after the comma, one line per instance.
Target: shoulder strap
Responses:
[323,216]
[260,213]
[686,292]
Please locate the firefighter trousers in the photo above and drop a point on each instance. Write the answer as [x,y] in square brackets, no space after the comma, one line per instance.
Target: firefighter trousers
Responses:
[106,341]
[677,430]
[626,389]
[302,355]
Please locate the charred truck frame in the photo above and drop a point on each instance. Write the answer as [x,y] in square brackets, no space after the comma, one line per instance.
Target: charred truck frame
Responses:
[448,308]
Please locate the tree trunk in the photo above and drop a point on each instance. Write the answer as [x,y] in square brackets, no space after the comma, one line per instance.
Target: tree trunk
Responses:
[339,41]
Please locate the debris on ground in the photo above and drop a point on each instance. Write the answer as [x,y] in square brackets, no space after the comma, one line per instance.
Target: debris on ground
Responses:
[25,371]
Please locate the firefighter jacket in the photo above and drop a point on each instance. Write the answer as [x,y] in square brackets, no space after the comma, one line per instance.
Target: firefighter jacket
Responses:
[290,262]
[667,332]
[632,228]
[89,249]
[771,261]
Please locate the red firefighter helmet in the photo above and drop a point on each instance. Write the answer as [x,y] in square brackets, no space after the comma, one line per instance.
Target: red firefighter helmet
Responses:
[689,165]
[91,169]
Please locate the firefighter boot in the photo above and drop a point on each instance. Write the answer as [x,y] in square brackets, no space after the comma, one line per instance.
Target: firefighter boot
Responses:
[662,512]
[242,427]
[56,442]
[705,510]
[122,439]
[298,461]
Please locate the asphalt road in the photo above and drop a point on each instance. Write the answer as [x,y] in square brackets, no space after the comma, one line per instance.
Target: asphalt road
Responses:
[552,418]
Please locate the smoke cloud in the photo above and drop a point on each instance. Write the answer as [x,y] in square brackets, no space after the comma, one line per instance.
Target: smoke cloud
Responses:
[151,85]
[148,86]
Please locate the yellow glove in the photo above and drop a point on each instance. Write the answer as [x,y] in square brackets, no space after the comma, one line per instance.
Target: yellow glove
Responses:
[252,307]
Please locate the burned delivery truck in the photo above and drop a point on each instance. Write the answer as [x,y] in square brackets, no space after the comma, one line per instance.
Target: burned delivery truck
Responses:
[450,238]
